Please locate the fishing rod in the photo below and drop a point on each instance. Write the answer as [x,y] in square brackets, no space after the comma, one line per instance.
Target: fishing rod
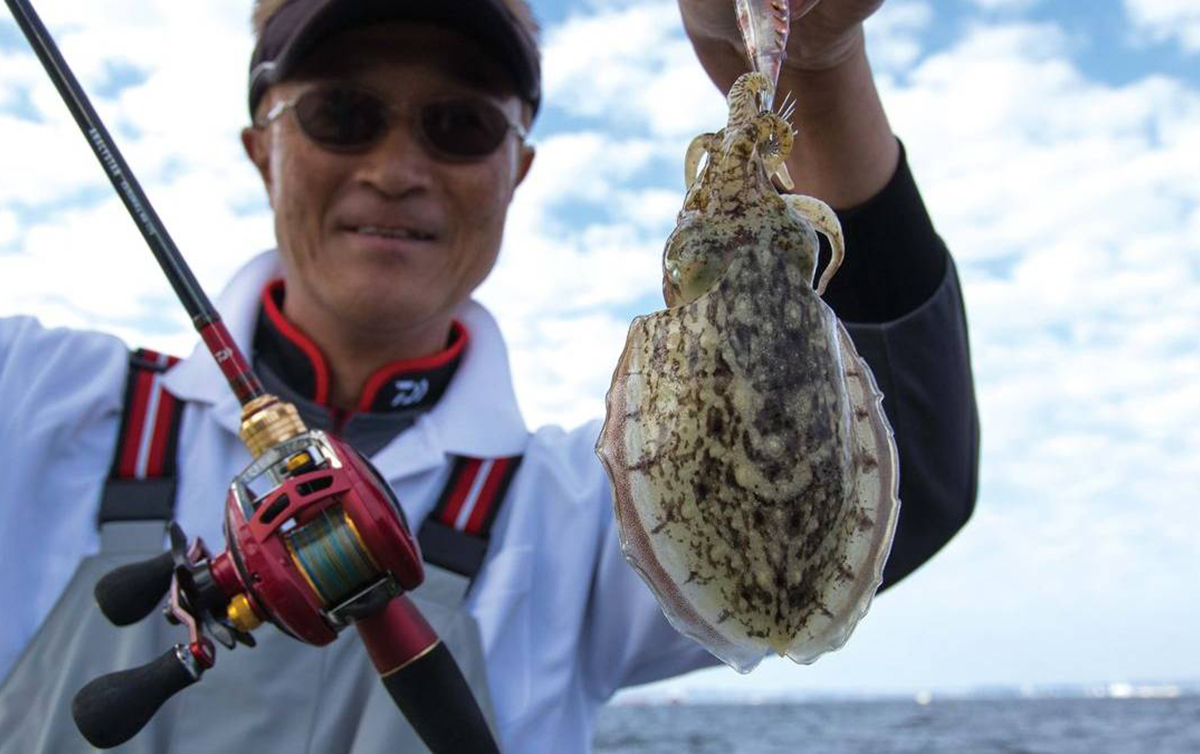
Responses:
[325,546]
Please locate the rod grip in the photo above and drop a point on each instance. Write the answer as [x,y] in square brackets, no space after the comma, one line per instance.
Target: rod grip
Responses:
[131,592]
[438,703]
[424,680]
[111,709]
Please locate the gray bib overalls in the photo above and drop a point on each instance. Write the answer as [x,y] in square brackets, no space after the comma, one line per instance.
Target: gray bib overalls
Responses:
[280,696]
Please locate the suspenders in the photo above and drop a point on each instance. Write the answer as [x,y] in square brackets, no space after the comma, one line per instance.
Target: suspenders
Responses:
[141,484]
[455,535]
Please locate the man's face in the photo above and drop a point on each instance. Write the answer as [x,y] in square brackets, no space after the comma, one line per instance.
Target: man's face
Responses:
[388,238]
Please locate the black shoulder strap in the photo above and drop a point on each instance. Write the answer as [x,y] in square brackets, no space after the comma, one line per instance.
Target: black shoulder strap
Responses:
[455,535]
[141,483]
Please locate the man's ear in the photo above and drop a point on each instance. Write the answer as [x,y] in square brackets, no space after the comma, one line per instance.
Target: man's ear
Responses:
[257,143]
[524,162]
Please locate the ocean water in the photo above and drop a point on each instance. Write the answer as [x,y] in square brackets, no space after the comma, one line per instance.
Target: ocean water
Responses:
[967,726]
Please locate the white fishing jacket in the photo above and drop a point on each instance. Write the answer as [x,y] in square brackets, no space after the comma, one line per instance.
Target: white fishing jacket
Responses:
[565,621]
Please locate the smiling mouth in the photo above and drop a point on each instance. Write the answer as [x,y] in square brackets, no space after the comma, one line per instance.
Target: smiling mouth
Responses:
[407,234]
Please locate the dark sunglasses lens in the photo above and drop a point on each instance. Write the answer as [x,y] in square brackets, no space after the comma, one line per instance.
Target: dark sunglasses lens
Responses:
[341,118]
[463,129]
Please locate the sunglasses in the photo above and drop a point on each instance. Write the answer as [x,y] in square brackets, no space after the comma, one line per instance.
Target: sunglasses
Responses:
[344,119]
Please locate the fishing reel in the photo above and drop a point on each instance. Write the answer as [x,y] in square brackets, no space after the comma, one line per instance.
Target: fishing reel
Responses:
[316,542]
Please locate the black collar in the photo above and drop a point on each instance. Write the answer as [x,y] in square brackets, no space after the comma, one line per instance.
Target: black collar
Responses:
[408,385]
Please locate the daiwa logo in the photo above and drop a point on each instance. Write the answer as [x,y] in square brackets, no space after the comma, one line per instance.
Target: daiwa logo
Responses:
[410,392]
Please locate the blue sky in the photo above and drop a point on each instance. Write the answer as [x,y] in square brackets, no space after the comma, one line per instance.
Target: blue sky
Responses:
[1058,150]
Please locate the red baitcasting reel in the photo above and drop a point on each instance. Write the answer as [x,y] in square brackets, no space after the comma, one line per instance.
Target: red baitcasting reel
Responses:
[317,542]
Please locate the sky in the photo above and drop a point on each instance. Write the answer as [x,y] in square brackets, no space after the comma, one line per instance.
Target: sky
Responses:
[1056,144]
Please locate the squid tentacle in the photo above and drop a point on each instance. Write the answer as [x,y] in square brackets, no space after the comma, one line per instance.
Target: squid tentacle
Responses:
[823,218]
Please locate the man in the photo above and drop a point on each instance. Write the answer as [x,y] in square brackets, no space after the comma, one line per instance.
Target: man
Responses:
[389,137]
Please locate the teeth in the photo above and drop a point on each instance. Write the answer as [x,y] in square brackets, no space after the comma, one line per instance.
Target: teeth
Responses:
[374,230]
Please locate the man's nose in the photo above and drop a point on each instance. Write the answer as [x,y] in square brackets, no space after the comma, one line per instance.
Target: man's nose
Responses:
[398,163]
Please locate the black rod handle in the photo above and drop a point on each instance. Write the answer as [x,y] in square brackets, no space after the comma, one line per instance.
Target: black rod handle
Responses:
[111,709]
[424,680]
[438,703]
[131,592]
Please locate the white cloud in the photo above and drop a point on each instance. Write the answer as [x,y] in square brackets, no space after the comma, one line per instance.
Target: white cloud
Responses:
[559,272]
[1071,206]
[79,260]
[643,74]
[8,226]
[1072,209]
[1161,20]
[893,33]
[1004,5]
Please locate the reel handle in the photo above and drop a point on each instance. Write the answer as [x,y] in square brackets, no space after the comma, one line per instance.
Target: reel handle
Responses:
[111,709]
[131,592]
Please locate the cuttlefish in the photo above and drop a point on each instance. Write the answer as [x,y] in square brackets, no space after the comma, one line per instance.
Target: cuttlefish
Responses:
[753,470]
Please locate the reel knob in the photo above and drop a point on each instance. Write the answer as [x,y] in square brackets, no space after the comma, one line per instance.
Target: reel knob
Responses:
[131,592]
[111,709]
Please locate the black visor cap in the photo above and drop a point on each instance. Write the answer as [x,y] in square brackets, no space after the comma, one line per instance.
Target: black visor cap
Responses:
[300,26]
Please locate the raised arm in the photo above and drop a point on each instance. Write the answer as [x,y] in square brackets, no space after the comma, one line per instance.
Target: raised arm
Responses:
[897,289]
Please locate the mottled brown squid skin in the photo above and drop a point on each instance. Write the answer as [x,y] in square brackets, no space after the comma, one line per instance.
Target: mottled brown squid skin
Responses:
[745,445]
[738,481]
